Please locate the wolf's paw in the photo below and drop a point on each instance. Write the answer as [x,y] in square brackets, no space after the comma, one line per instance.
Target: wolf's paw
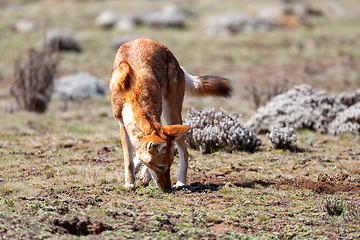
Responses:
[145,176]
[130,186]
[179,184]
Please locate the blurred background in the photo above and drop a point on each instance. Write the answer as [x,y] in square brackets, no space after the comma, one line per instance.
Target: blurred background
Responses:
[264,46]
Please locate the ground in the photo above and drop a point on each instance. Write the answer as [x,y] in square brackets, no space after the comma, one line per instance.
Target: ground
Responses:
[58,182]
[61,173]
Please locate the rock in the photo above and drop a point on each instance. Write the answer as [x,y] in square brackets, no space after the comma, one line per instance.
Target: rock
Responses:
[24,26]
[107,19]
[124,24]
[237,22]
[117,41]
[62,40]
[168,16]
[77,87]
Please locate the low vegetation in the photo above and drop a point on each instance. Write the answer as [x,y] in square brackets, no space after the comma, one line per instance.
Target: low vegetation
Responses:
[212,131]
[34,79]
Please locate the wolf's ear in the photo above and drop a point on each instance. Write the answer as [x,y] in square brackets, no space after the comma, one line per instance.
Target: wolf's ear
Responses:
[121,76]
[154,144]
[175,131]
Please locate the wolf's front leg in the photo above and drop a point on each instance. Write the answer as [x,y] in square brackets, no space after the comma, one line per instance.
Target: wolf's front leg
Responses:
[145,176]
[128,159]
[183,156]
[137,163]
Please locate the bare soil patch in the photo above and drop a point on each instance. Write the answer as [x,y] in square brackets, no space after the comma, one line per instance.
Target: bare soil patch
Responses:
[76,226]
[324,185]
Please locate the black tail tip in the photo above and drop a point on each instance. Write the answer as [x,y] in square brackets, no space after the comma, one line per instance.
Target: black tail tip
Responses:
[221,84]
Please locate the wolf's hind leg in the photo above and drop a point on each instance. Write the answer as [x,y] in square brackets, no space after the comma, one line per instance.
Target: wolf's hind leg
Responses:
[183,155]
[172,114]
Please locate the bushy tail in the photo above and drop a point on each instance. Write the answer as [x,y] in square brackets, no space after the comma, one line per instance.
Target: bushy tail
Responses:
[199,86]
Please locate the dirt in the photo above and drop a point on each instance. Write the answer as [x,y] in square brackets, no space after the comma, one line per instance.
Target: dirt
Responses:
[325,184]
[326,187]
[76,226]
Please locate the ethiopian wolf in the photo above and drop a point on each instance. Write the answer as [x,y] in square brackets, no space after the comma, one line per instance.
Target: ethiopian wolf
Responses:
[147,80]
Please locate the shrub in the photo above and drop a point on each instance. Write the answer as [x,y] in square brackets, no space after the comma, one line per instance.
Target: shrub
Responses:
[347,121]
[34,79]
[349,210]
[352,211]
[281,138]
[349,99]
[333,206]
[211,131]
[300,107]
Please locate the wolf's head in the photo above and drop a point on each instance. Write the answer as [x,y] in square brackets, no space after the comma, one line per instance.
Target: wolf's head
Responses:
[157,153]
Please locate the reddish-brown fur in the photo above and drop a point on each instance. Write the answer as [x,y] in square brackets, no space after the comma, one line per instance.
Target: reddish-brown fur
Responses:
[146,79]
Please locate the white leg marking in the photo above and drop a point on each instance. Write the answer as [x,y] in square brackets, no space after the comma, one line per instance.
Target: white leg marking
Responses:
[182,171]
[130,148]
[137,163]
